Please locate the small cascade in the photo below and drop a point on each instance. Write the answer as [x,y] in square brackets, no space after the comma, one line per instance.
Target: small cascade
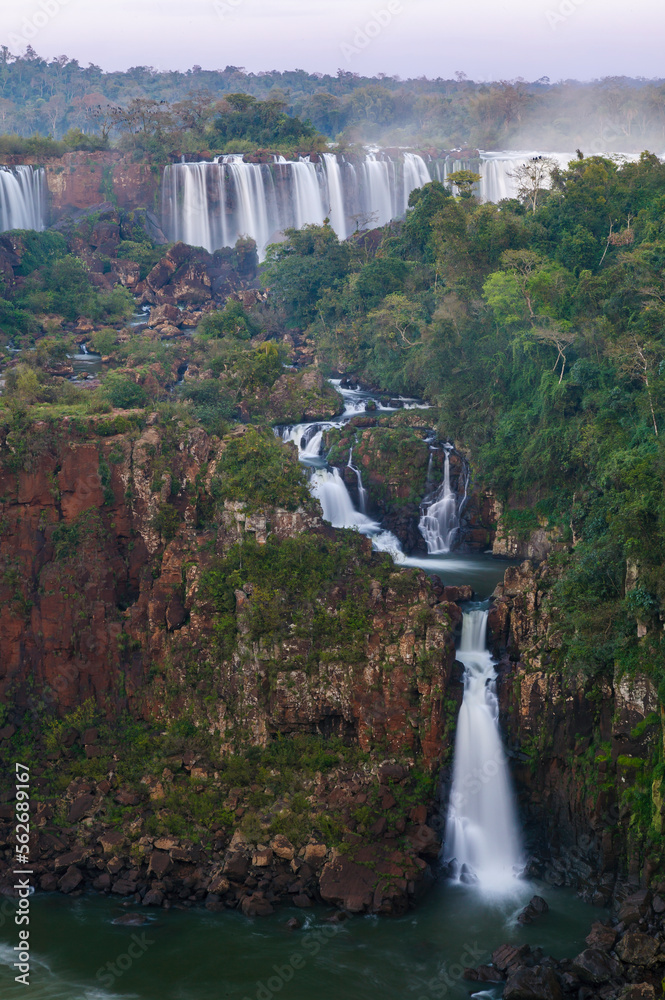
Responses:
[83,348]
[306,437]
[482,842]
[440,519]
[362,492]
[330,489]
[22,198]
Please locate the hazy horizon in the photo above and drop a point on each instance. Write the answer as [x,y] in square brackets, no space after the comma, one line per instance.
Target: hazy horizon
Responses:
[560,39]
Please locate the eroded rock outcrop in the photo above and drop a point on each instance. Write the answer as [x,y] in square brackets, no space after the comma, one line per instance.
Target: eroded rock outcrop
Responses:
[123,588]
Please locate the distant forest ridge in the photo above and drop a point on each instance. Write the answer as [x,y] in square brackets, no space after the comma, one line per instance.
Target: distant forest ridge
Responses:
[54,97]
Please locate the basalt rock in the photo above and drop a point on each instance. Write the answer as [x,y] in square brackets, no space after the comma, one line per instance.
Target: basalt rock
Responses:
[636,948]
[538,983]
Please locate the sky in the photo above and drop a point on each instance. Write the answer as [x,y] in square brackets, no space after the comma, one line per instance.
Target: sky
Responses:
[485,39]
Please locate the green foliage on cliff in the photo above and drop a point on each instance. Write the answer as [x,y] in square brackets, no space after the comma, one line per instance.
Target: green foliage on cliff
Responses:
[257,471]
[540,337]
[231,321]
[289,585]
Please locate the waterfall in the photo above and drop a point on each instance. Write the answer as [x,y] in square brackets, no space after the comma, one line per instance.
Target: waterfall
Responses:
[439,522]
[22,198]
[306,437]
[212,204]
[336,210]
[482,836]
[328,486]
[416,175]
[362,492]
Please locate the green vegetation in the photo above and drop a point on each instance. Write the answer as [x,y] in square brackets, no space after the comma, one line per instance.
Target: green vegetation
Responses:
[289,583]
[258,471]
[539,336]
[204,109]
[232,321]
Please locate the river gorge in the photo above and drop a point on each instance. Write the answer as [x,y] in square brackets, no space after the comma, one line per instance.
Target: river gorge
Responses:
[285,673]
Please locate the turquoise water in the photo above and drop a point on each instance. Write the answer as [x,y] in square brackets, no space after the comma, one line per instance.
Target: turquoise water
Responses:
[196,955]
[458,569]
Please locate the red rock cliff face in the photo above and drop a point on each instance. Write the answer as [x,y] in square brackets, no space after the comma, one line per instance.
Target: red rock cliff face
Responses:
[97,602]
[586,744]
[81,180]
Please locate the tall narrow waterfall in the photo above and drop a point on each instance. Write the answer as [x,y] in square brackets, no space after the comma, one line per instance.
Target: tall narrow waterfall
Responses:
[22,198]
[482,835]
[439,522]
[362,492]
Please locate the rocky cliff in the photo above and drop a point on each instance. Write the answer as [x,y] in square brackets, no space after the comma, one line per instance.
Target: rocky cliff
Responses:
[136,591]
[585,748]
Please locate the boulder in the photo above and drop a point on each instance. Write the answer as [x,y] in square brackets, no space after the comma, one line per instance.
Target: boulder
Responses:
[634,907]
[425,841]
[219,885]
[165,314]
[72,858]
[638,949]
[601,937]
[256,906]
[483,974]
[595,966]
[80,807]
[509,956]
[539,983]
[640,991]
[70,880]
[123,887]
[237,865]
[127,798]
[391,772]
[153,897]
[262,857]
[534,908]
[111,840]
[282,847]
[160,862]
[315,854]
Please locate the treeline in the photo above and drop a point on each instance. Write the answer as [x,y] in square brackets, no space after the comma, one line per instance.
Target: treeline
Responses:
[56,96]
[540,335]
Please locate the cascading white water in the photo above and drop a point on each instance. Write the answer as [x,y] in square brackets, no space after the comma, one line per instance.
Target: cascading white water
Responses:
[336,209]
[482,839]
[212,204]
[497,172]
[416,175]
[440,521]
[306,437]
[22,198]
[328,486]
[362,492]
